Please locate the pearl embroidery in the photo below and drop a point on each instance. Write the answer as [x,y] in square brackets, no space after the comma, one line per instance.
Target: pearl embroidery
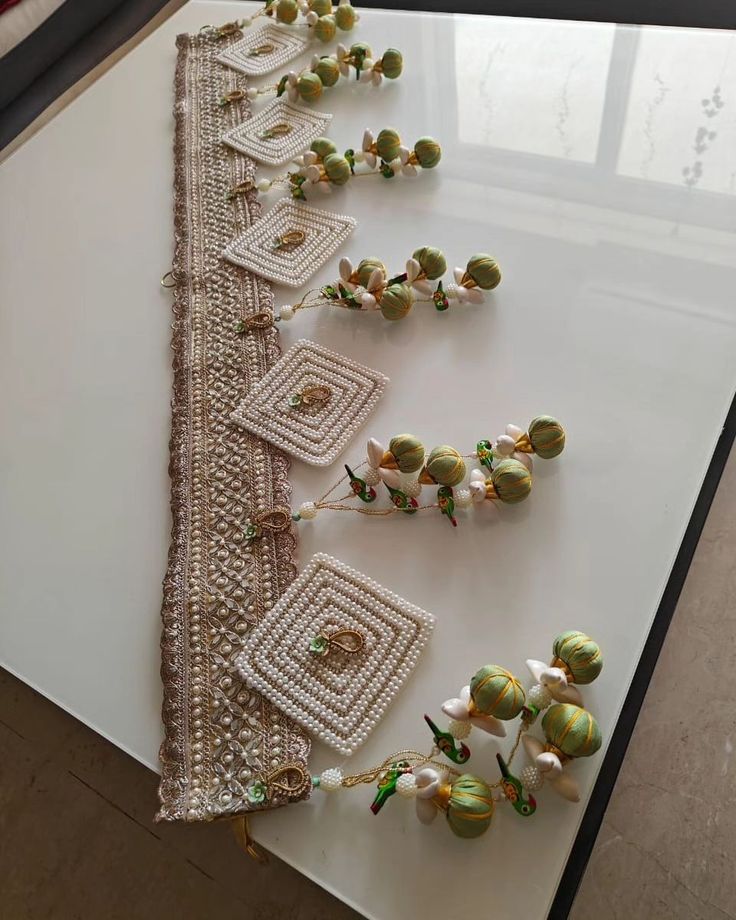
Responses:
[248,136]
[286,44]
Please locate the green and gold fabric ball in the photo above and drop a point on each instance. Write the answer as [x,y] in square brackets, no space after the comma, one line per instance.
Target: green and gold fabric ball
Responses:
[360,50]
[470,806]
[287,10]
[366,267]
[511,481]
[484,271]
[547,436]
[392,63]
[309,86]
[388,143]
[432,261]
[581,655]
[323,147]
[428,152]
[396,301]
[337,168]
[320,7]
[325,28]
[496,692]
[328,70]
[445,466]
[345,17]
[572,729]
[408,452]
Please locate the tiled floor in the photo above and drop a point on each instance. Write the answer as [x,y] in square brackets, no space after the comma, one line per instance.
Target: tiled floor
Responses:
[77,842]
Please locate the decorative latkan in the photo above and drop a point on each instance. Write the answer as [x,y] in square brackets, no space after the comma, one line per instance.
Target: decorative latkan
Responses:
[335,651]
[311,402]
[290,243]
[264,50]
[220,736]
[278,133]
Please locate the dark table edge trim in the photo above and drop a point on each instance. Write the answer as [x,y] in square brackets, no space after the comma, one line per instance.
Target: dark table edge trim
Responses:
[590,825]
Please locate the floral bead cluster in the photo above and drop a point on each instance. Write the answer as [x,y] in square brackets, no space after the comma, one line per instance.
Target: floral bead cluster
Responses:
[319,15]
[326,71]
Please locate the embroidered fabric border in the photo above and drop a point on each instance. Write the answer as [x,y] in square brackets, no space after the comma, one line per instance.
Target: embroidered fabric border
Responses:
[220,736]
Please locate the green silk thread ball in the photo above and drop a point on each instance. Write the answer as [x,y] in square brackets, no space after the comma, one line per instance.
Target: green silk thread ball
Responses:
[324,28]
[309,86]
[572,729]
[496,692]
[337,168]
[366,267]
[432,260]
[428,152]
[581,655]
[396,301]
[287,10]
[323,147]
[470,807]
[484,271]
[392,63]
[512,481]
[320,7]
[408,452]
[445,466]
[547,436]
[360,49]
[388,143]
[345,17]
[328,70]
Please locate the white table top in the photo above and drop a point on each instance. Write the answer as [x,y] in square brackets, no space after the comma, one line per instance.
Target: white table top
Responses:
[596,164]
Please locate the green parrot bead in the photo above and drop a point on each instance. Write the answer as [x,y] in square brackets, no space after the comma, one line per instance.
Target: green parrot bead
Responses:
[388,143]
[337,168]
[323,147]
[309,86]
[432,260]
[324,28]
[512,481]
[287,10]
[345,17]
[396,301]
[320,7]
[547,436]
[408,452]
[470,806]
[366,267]
[484,271]
[444,466]
[392,63]
[428,152]
[572,729]
[496,692]
[581,655]
[328,70]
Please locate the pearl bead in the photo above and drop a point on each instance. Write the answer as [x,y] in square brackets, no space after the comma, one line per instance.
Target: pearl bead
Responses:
[307,511]
[539,696]
[463,498]
[458,729]
[531,778]
[263,185]
[331,780]
[286,313]
[406,785]
[251,93]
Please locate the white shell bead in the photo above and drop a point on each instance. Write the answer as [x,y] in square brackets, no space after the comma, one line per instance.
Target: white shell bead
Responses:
[376,450]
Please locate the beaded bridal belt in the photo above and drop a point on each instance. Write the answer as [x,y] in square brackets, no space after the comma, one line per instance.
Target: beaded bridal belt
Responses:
[222,739]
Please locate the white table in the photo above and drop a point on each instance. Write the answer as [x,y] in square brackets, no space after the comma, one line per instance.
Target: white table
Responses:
[571,153]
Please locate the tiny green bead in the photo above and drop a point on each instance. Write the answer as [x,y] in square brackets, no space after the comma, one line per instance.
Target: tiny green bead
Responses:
[392,63]
[512,481]
[484,271]
[396,301]
[432,261]
[428,152]
[408,452]
[323,147]
[345,17]
[328,70]
[547,436]
[445,466]
[496,692]
[581,655]
[325,28]
[572,729]
[366,267]
[388,143]
[470,807]
[287,10]
[361,49]
[320,7]
[309,86]
[337,168]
